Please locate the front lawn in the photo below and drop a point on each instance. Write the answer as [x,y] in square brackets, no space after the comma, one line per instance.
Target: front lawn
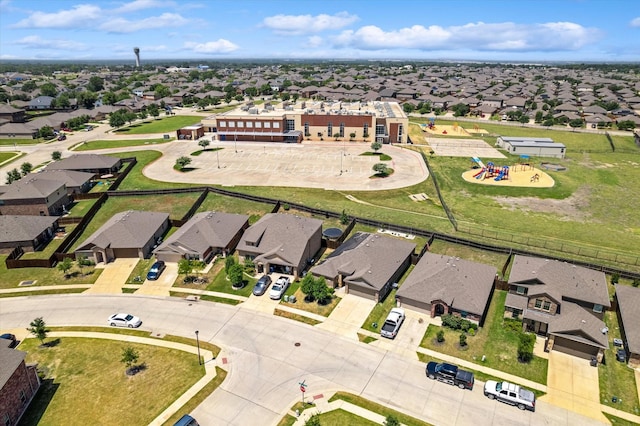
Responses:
[10,278]
[615,377]
[217,280]
[91,145]
[162,125]
[6,156]
[341,417]
[377,408]
[78,371]
[312,307]
[494,341]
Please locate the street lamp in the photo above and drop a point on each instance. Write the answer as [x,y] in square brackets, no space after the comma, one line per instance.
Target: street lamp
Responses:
[218,158]
[235,143]
[198,343]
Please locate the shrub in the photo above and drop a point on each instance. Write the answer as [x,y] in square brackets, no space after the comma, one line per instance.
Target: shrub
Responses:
[615,277]
[458,323]
[636,282]
[525,347]
[463,339]
[229,261]
[512,324]
[440,336]
[391,420]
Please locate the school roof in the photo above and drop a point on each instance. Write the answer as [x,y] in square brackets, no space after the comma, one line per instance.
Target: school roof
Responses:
[532,142]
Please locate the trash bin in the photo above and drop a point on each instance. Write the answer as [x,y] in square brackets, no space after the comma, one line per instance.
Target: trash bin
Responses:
[292,299]
[286,298]
[594,361]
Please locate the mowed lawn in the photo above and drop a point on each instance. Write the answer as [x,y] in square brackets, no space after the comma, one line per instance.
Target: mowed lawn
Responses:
[222,203]
[498,344]
[105,144]
[86,384]
[161,125]
[10,278]
[136,180]
[6,156]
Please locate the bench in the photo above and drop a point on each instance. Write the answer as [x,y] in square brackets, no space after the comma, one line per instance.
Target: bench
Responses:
[192,298]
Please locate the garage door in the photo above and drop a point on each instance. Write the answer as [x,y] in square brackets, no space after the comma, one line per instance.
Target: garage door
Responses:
[125,252]
[367,293]
[169,257]
[571,347]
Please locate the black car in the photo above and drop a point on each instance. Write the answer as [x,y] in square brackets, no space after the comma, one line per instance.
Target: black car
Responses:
[11,338]
[156,270]
[262,285]
[621,355]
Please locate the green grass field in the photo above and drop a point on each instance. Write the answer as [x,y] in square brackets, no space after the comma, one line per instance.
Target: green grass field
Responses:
[18,141]
[75,368]
[161,125]
[104,144]
[10,278]
[7,156]
[221,203]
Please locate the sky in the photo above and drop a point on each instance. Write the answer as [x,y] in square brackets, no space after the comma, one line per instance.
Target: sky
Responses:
[508,31]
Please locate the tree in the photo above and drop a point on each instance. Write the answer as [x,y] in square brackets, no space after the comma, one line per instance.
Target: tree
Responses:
[391,420]
[143,114]
[39,329]
[306,286]
[95,84]
[49,89]
[229,261]
[109,98]
[575,123]
[182,162]
[235,274]
[153,110]
[375,146]
[440,336]
[56,155]
[525,346]
[626,125]
[381,169]
[463,339]
[460,110]
[129,357]
[45,132]
[65,266]
[524,119]
[344,217]
[161,91]
[204,143]
[12,176]
[408,108]
[83,261]
[185,267]
[87,99]
[26,168]
[203,103]
[321,291]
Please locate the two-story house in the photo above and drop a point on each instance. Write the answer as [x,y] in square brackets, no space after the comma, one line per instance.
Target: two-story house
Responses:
[561,301]
[34,196]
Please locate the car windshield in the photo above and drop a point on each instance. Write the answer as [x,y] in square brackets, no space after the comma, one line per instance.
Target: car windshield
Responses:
[129,317]
[277,286]
[499,387]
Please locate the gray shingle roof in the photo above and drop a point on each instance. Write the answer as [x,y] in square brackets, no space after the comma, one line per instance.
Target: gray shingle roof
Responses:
[11,359]
[130,229]
[23,228]
[579,324]
[203,230]
[462,284]
[279,235]
[629,305]
[369,260]
[27,188]
[84,161]
[560,279]
[70,178]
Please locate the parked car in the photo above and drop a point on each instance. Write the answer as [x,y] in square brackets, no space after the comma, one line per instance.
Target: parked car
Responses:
[621,355]
[279,287]
[11,338]
[392,323]
[262,285]
[451,374]
[124,320]
[511,394]
[62,137]
[186,420]
[156,270]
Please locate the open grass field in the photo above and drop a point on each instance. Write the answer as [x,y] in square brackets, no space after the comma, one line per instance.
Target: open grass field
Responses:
[161,125]
[221,203]
[176,205]
[10,278]
[76,368]
[136,180]
[105,144]
[497,343]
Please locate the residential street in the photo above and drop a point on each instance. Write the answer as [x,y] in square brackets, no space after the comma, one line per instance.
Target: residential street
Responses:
[259,351]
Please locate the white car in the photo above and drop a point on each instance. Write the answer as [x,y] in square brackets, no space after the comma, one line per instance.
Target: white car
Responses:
[279,287]
[124,320]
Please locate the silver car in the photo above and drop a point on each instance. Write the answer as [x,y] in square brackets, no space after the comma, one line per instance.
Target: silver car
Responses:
[124,320]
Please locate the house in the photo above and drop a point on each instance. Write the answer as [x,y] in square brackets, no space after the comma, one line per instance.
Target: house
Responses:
[11,114]
[75,182]
[41,102]
[34,196]
[441,284]
[561,301]
[19,383]
[536,147]
[367,264]
[27,232]
[281,242]
[90,163]
[18,130]
[628,299]
[203,236]
[127,234]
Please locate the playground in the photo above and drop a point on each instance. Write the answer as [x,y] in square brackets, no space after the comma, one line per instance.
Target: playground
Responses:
[450,130]
[522,174]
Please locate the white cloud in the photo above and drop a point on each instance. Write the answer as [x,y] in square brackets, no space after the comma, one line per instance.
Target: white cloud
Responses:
[36,42]
[122,25]
[82,15]
[635,22]
[314,42]
[306,24]
[157,48]
[218,46]
[136,5]
[505,36]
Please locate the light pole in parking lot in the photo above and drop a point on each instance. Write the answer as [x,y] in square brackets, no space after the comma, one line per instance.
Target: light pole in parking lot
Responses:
[235,143]
[198,343]
[218,158]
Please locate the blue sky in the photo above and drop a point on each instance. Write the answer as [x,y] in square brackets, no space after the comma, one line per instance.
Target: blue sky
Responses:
[516,30]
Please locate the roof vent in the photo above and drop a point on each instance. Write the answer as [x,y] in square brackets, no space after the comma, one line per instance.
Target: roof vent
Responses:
[583,321]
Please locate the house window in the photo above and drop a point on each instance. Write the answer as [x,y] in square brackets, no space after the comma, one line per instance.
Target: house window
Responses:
[330,129]
[291,125]
[546,306]
[222,124]
[342,130]
[267,124]
[276,125]
[232,124]
[597,308]
[248,124]
[521,290]
[258,124]
[538,304]
[380,129]
[400,131]
[365,130]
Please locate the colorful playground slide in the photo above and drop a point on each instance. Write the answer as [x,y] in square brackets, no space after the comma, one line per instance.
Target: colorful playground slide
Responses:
[478,162]
[481,173]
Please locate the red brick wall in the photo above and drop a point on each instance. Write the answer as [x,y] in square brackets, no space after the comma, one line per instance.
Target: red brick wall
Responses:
[23,379]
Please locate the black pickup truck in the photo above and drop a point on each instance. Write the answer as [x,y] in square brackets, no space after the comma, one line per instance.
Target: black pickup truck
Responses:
[451,374]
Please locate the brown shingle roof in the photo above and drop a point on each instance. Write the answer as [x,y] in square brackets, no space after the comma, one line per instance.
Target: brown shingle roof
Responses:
[83,162]
[23,228]
[629,305]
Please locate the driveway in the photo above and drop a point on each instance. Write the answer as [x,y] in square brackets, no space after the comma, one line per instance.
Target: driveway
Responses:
[573,384]
[113,277]
[163,284]
[347,318]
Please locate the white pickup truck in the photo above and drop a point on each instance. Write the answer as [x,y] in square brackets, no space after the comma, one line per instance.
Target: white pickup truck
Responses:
[512,394]
[392,323]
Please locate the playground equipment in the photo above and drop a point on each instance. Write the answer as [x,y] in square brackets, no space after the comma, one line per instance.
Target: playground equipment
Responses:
[498,173]
[524,163]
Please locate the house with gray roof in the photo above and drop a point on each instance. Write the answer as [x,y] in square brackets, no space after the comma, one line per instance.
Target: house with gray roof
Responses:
[27,232]
[34,196]
[367,264]
[203,236]
[441,284]
[628,299]
[76,182]
[19,383]
[90,163]
[281,242]
[561,301]
[127,234]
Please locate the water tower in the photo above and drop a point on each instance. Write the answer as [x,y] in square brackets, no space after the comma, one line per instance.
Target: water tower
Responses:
[136,50]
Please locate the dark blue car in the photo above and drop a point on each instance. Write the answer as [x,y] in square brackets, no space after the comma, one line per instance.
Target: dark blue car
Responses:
[156,270]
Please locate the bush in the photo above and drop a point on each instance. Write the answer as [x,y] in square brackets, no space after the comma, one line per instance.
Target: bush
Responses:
[229,261]
[463,340]
[512,324]
[458,323]
[636,282]
[525,347]
[440,336]
[615,277]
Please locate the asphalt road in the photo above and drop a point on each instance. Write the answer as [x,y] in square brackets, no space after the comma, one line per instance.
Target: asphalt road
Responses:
[265,365]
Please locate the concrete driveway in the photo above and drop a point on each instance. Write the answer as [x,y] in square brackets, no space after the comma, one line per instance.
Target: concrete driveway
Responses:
[573,384]
[347,318]
[163,284]
[113,277]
